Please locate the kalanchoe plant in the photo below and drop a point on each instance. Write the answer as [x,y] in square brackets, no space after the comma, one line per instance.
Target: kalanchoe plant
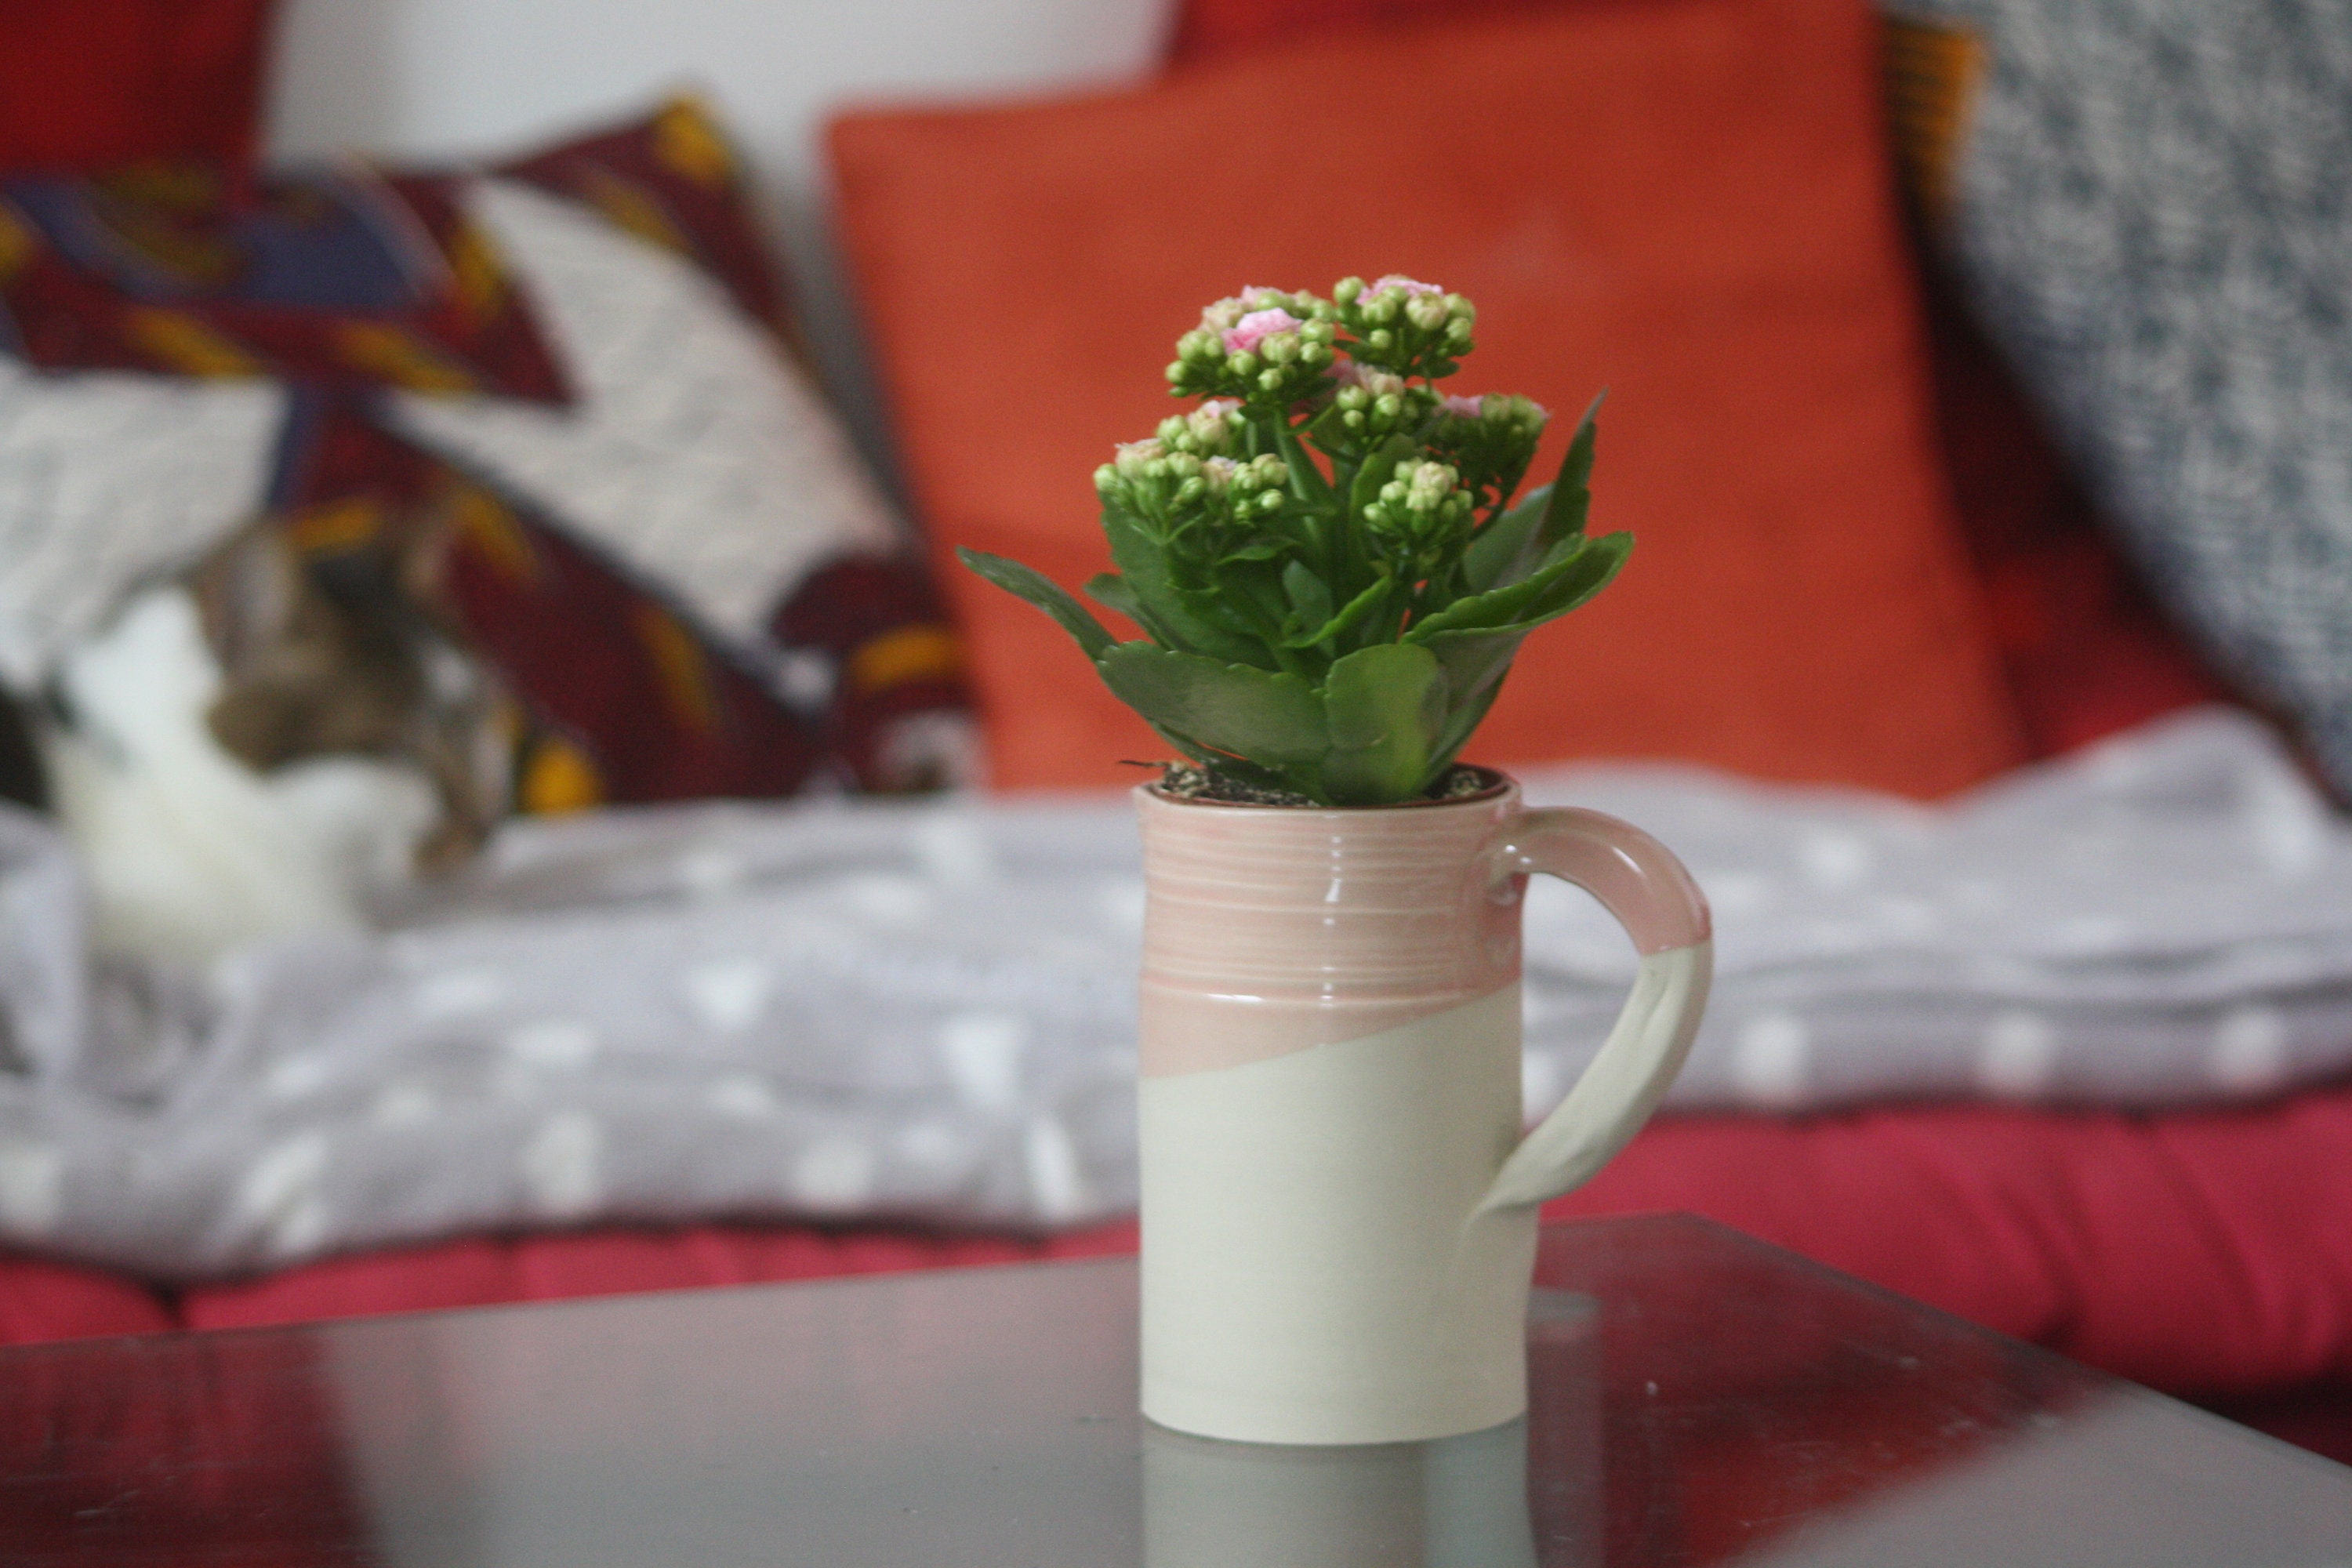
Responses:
[1324,555]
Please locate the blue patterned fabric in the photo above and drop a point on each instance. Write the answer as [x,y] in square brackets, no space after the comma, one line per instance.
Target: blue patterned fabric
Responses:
[2156,218]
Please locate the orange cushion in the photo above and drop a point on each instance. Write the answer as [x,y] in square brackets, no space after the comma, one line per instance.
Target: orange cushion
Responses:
[1686,202]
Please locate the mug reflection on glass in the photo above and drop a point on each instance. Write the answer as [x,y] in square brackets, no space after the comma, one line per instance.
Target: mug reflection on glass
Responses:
[1465,1501]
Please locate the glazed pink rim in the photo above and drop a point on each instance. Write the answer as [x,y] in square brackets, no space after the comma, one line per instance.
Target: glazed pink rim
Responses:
[1287,927]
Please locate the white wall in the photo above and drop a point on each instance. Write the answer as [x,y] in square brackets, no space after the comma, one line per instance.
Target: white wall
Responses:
[478,78]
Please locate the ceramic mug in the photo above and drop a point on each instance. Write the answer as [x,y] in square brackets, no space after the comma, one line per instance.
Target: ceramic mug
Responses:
[1338,1204]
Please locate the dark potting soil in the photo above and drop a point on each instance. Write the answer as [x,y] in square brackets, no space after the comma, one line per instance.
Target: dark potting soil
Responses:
[1184,781]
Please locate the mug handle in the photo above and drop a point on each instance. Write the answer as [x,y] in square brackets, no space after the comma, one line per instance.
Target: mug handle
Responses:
[1638,881]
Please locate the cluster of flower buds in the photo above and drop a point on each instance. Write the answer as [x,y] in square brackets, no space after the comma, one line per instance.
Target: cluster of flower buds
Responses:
[1373,405]
[1402,325]
[1489,440]
[1262,346]
[1496,415]
[1159,478]
[1259,485]
[1422,503]
[1206,432]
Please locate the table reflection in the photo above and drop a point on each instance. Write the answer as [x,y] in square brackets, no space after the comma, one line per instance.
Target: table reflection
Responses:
[1724,1404]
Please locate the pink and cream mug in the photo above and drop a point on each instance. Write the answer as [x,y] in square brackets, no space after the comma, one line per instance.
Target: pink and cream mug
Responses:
[1338,1204]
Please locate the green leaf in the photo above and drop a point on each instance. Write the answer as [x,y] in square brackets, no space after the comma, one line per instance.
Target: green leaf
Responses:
[1356,611]
[1384,705]
[1504,551]
[1027,583]
[1270,719]
[1310,597]
[1109,590]
[1497,607]
[1571,582]
[1189,622]
[1308,484]
[1572,493]
[1378,468]
[1577,569]
[1475,664]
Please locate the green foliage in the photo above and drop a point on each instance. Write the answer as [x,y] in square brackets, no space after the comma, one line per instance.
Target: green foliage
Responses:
[1324,557]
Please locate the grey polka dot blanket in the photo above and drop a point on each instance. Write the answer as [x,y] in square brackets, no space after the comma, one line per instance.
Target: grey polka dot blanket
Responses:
[925,1012]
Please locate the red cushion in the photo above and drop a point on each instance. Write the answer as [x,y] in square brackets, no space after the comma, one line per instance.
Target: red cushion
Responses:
[2085,649]
[89,83]
[1684,200]
[484,1271]
[2197,1252]
[42,1300]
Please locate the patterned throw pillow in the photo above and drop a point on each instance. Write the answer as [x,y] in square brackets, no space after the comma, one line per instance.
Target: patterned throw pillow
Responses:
[2154,215]
[679,583]
[189,270]
[606,692]
[2087,651]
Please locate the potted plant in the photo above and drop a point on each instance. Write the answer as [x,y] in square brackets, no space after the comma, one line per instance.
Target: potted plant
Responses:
[1332,572]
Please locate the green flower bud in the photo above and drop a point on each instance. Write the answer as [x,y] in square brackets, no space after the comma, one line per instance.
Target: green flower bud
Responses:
[1242,364]
[1270,380]
[1426,311]
[1133,460]
[1430,485]
[1106,480]
[1345,290]
[1211,426]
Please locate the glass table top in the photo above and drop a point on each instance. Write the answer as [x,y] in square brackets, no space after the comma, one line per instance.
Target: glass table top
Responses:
[1698,1398]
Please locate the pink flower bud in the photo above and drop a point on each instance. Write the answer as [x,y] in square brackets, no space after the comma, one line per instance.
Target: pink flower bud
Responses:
[1413,288]
[1464,407]
[1243,336]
